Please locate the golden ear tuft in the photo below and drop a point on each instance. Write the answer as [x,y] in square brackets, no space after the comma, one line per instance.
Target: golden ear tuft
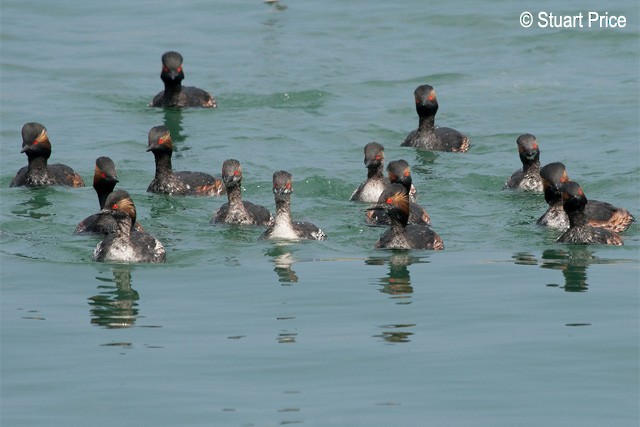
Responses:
[42,137]
[126,205]
[401,200]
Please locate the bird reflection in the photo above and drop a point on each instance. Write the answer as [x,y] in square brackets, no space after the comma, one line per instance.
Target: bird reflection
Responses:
[394,335]
[283,260]
[573,263]
[37,202]
[276,4]
[116,305]
[173,122]
[425,159]
[524,258]
[398,282]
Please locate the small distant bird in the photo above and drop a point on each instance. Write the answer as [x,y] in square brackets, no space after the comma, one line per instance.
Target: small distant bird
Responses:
[369,191]
[527,178]
[177,183]
[37,147]
[174,94]
[580,231]
[428,136]
[124,243]
[237,211]
[599,214]
[283,228]
[402,235]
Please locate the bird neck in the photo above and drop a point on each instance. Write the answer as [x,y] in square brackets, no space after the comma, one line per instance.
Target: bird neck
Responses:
[103,189]
[283,209]
[234,194]
[427,122]
[375,172]
[172,90]
[163,162]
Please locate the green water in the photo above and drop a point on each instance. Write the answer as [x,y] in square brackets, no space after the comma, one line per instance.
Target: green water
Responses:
[504,327]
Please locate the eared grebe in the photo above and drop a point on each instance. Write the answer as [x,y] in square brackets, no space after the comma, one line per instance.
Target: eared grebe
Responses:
[369,191]
[402,235]
[178,183]
[553,176]
[580,231]
[528,178]
[283,227]
[104,181]
[237,211]
[174,94]
[123,244]
[399,173]
[428,136]
[37,147]
[599,214]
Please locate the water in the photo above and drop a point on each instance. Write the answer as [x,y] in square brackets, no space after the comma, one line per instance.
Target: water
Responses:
[504,327]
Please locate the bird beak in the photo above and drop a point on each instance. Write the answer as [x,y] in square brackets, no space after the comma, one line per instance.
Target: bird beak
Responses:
[231,179]
[530,154]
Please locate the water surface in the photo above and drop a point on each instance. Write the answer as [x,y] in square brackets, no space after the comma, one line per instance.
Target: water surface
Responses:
[504,327]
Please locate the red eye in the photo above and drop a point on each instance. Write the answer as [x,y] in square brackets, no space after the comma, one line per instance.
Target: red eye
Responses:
[389,201]
[378,156]
[431,97]
[160,140]
[288,185]
[115,206]
[103,175]
[407,173]
[236,173]
[165,69]
[179,69]
[535,146]
[35,142]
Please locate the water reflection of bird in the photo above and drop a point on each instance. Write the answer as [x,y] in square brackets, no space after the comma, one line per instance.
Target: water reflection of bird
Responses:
[397,282]
[173,122]
[283,260]
[115,306]
[573,263]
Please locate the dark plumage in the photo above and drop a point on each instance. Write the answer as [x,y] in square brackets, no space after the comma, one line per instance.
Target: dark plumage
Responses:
[400,173]
[174,94]
[283,228]
[580,231]
[104,181]
[402,235]
[177,183]
[369,191]
[237,211]
[37,147]
[428,136]
[123,244]
[599,214]
[528,178]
